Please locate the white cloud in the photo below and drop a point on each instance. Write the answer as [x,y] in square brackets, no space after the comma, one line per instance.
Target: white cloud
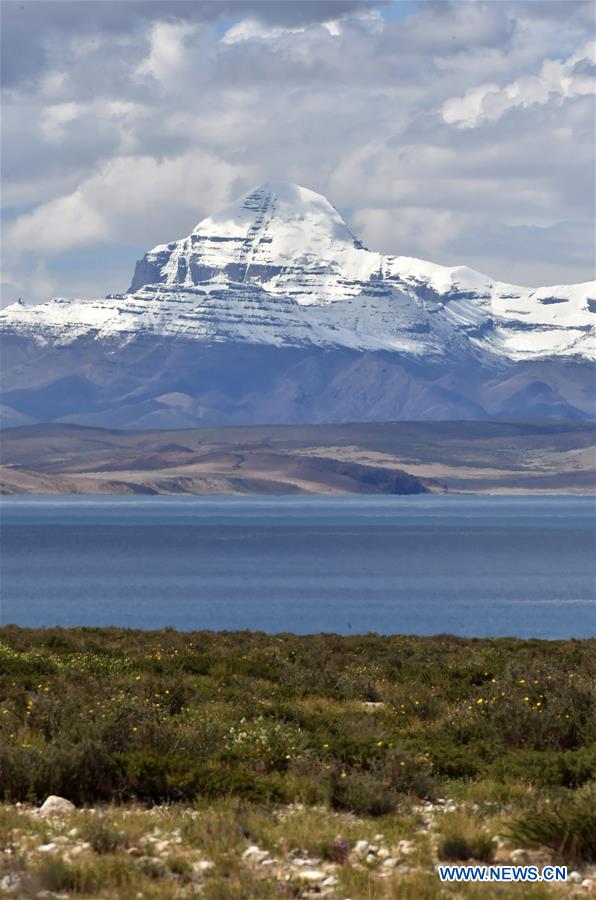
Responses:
[61,224]
[555,81]
[252,29]
[129,196]
[133,140]
[53,84]
[168,50]
[409,231]
[55,117]
[31,286]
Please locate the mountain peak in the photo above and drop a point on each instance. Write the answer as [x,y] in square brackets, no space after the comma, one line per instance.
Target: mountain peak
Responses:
[285,192]
[211,316]
[280,236]
[275,203]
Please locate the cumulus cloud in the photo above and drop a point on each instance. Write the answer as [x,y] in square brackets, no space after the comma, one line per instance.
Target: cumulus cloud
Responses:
[556,80]
[129,194]
[409,231]
[254,29]
[455,131]
[166,58]
[30,28]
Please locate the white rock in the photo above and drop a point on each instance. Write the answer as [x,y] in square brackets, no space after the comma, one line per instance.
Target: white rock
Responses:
[406,847]
[162,846]
[56,806]
[255,854]
[46,848]
[575,877]
[330,881]
[312,875]
[390,862]
[361,847]
[10,883]
[203,865]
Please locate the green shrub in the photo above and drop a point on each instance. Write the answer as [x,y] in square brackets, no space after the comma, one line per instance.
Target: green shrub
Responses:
[362,793]
[268,744]
[111,715]
[58,876]
[33,663]
[548,768]
[360,681]
[458,847]
[241,782]
[450,760]
[102,835]
[462,838]
[406,773]
[155,777]
[568,828]
[83,772]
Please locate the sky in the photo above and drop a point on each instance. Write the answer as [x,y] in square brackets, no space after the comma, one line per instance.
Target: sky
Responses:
[457,132]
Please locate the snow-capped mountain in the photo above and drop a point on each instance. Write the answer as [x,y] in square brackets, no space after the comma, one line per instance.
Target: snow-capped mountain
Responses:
[279,269]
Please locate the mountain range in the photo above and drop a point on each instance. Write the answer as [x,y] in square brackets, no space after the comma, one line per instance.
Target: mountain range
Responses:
[273,311]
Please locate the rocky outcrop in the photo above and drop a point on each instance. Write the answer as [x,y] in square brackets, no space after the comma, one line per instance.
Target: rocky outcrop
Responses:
[56,806]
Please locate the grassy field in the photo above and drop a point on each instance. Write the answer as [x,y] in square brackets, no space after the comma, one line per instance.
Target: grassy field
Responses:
[243,765]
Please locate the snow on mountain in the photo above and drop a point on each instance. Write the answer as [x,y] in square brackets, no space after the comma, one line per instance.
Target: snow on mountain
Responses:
[283,237]
[280,267]
[516,322]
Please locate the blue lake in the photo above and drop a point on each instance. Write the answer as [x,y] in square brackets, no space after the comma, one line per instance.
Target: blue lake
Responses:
[522,566]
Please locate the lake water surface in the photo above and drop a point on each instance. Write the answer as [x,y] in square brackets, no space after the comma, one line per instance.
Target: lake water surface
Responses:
[466,565]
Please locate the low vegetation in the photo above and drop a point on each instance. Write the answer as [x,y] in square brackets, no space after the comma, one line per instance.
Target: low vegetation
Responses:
[302,748]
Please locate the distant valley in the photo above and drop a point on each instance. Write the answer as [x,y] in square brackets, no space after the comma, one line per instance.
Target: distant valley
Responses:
[369,458]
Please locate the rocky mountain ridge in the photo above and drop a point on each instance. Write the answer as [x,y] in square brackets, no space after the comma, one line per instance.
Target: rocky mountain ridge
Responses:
[280,280]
